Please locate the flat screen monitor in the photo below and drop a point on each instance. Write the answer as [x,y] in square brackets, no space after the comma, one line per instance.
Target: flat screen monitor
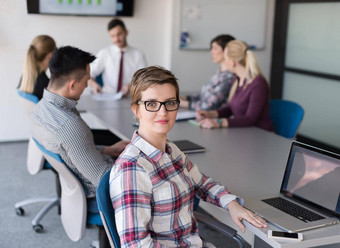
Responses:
[81,7]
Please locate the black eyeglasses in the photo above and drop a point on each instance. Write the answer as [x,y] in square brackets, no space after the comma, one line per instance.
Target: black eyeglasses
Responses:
[154,106]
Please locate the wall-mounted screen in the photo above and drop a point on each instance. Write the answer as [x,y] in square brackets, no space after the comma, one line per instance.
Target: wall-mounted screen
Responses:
[81,7]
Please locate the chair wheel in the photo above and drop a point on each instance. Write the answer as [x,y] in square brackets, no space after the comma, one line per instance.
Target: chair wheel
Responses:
[38,228]
[20,211]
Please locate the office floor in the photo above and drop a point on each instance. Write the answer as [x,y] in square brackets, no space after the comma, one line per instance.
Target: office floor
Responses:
[17,184]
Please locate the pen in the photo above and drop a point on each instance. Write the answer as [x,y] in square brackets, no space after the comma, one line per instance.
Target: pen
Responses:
[193,122]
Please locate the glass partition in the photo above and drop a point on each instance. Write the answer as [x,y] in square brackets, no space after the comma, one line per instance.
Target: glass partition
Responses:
[320,99]
[313,37]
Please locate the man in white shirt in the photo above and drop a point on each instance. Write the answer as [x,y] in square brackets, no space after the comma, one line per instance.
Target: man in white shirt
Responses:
[116,63]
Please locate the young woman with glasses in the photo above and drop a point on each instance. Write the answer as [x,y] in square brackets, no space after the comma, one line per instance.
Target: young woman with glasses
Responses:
[153,183]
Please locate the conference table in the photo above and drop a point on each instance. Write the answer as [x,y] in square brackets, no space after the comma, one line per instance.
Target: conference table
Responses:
[249,161]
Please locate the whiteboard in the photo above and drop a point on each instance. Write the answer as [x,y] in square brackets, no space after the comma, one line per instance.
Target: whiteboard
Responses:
[202,20]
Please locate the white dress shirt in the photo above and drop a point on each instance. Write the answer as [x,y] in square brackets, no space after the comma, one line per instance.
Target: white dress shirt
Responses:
[107,64]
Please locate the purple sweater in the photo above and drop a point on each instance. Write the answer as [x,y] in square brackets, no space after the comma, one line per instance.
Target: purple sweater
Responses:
[249,106]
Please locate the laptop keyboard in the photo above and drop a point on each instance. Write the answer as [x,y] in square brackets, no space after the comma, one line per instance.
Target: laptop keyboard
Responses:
[293,209]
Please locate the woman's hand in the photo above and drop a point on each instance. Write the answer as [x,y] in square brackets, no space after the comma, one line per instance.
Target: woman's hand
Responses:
[202,114]
[209,123]
[238,213]
[184,103]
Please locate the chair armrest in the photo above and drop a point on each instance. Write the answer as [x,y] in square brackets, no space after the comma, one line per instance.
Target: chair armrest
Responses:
[220,227]
[215,224]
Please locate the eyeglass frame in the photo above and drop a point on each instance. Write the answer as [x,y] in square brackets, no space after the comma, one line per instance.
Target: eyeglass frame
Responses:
[161,103]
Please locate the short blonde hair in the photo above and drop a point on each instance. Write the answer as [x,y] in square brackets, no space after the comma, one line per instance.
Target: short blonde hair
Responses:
[149,76]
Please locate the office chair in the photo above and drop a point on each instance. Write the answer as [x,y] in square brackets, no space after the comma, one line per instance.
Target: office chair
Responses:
[74,215]
[28,101]
[35,163]
[99,80]
[286,117]
[108,217]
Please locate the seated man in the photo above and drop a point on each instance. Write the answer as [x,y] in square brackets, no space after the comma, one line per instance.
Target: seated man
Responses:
[116,63]
[57,125]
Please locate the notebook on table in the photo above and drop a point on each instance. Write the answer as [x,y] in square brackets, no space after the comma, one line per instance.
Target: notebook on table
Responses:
[184,115]
[187,146]
[310,191]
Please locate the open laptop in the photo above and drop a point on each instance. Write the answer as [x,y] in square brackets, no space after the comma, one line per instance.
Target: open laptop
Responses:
[311,183]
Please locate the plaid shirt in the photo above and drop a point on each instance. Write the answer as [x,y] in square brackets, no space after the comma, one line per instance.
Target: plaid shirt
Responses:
[213,94]
[152,193]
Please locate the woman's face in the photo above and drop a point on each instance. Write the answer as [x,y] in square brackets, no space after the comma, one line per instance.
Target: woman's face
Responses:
[216,53]
[162,121]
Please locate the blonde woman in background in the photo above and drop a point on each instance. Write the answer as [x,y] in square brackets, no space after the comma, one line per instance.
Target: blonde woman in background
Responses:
[34,79]
[249,95]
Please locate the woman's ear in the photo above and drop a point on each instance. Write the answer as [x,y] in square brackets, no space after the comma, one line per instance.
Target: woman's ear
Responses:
[134,109]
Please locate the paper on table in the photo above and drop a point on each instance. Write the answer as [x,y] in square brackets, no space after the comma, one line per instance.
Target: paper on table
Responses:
[107,96]
[92,121]
[185,115]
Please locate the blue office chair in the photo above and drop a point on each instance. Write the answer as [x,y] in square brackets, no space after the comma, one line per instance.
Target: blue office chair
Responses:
[35,163]
[286,117]
[108,217]
[74,215]
[99,80]
[28,101]
[106,210]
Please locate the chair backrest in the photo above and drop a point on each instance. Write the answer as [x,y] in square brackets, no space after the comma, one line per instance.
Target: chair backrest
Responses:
[106,210]
[73,199]
[28,101]
[99,80]
[35,160]
[286,117]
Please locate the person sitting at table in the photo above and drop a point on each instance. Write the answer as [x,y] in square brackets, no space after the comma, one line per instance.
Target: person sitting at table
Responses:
[215,93]
[58,126]
[34,79]
[153,183]
[249,95]
[116,63]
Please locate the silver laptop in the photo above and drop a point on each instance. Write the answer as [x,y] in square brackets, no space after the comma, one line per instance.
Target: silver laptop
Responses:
[310,191]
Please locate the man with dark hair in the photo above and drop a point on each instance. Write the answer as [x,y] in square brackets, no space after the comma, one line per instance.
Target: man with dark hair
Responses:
[116,63]
[57,125]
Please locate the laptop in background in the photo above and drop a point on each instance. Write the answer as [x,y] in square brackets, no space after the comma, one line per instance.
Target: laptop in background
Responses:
[310,191]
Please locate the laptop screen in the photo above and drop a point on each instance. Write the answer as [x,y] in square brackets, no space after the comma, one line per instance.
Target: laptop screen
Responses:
[313,175]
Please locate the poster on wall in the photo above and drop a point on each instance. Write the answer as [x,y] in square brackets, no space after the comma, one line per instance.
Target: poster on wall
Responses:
[81,7]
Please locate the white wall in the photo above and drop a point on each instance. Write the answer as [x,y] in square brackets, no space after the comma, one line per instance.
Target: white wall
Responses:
[194,68]
[154,28]
[150,30]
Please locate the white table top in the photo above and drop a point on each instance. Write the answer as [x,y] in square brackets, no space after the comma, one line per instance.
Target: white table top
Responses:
[249,161]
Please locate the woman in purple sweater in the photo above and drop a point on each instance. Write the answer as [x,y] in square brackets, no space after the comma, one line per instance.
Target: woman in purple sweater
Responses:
[249,104]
